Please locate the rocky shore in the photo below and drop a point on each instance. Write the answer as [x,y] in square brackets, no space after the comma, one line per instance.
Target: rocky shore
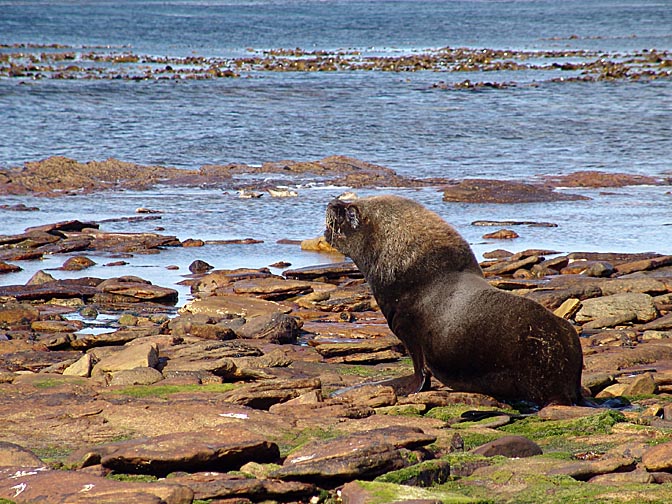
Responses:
[59,176]
[279,388]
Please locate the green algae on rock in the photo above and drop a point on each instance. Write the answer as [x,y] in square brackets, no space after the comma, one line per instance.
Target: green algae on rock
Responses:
[376,492]
[165,391]
[538,429]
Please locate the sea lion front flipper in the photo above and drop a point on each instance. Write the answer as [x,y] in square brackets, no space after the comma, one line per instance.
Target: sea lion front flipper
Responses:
[421,379]
[426,381]
[402,328]
[421,376]
[409,384]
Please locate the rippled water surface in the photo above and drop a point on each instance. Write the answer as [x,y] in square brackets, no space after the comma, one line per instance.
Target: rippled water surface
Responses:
[400,120]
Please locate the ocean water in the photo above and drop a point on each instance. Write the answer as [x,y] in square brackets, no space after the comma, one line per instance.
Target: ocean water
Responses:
[536,126]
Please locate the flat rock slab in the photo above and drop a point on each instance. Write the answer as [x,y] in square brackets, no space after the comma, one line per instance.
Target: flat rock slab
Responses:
[124,242]
[664,322]
[644,264]
[85,341]
[434,398]
[216,280]
[503,191]
[227,306]
[367,492]
[33,359]
[273,288]
[508,266]
[355,346]
[218,449]
[658,458]
[616,305]
[360,455]
[129,357]
[373,396]
[211,350]
[17,314]
[325,332]
[274,327]
[581,470]
[63,226]
[137,288]
[211,485]
[585,470]
[264,395]
[14,455]
[59,289]
[328,271]
[614,358]
[317,412]
[509,446]
[39,484]
[214,357]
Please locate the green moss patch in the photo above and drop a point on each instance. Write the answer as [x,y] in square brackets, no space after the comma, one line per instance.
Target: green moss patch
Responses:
[51,381]
[536,488]
[570,435]
[475,437]
[163,391]
[137,478]
[296,440]
[402,410]
[424,474]
[454,412]
[53,455]
[535,428]
[383,493]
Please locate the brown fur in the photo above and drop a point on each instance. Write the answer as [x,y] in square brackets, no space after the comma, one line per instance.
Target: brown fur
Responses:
[454,324]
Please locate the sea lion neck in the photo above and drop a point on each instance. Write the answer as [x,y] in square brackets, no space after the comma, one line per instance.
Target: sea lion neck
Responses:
[400,240]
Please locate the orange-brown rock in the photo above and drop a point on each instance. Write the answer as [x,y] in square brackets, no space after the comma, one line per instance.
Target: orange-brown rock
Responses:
[590,178]
[502,234]
[213,449]
[40,484]
[503,191]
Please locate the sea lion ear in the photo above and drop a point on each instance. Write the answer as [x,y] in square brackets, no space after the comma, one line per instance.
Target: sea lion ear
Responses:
[352,216]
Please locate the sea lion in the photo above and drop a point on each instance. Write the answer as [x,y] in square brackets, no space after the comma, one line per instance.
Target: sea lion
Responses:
[469,335]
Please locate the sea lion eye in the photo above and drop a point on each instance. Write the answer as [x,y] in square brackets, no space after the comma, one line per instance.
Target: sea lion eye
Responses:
[352,217]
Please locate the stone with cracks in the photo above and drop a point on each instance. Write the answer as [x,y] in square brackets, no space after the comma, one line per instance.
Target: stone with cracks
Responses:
[39,484]
[358,456]
[218,449]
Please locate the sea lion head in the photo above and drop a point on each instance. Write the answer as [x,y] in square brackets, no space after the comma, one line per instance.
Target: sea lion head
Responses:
[389,237]
[343,222]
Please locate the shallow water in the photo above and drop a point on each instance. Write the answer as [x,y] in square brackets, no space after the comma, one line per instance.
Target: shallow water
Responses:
[610,222]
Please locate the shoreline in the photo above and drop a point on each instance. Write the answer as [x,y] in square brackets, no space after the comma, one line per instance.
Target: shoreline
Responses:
[126,198]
